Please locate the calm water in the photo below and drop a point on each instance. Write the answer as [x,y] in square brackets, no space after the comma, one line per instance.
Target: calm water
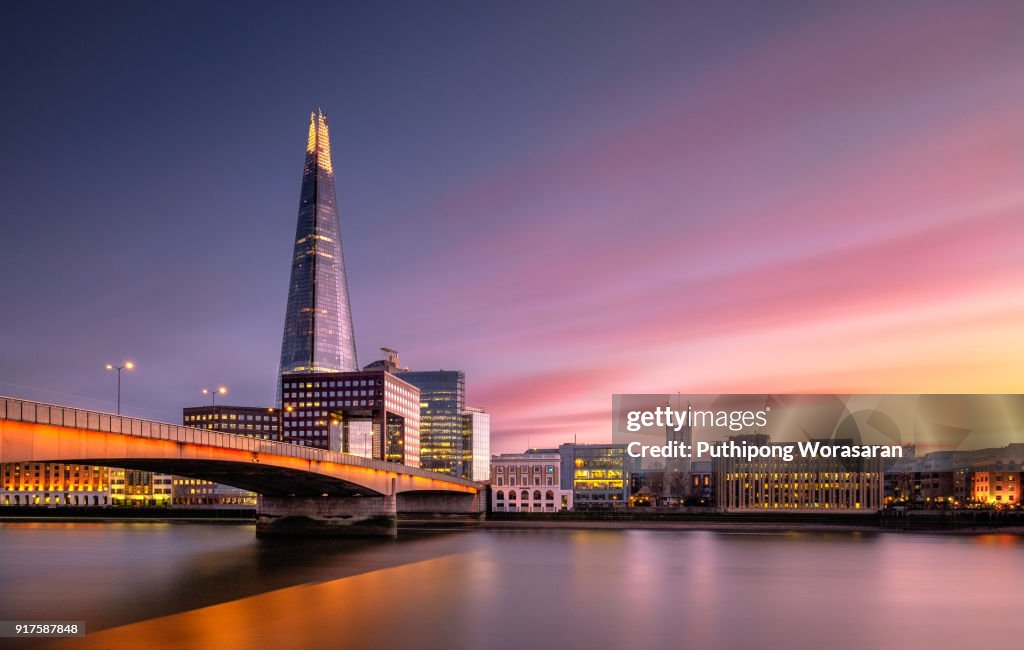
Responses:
[215,586]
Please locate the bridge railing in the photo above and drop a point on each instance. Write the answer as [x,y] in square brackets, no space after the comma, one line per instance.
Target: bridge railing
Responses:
[64,416]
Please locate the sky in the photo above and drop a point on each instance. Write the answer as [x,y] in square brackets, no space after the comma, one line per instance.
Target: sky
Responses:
[566,200]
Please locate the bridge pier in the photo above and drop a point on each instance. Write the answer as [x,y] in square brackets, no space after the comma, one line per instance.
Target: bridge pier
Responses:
[356,516]
[441,509]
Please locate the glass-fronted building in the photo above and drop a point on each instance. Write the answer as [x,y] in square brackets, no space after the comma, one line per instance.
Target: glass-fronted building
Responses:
[338,410]
[442,413]
[318,332]
[597,474]
[477,443]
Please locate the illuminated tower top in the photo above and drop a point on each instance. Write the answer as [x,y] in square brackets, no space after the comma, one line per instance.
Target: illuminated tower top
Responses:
[318,332]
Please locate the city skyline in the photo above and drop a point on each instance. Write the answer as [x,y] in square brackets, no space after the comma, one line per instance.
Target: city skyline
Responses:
[699,199]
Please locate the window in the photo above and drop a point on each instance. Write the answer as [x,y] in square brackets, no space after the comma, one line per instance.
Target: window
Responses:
[501,495]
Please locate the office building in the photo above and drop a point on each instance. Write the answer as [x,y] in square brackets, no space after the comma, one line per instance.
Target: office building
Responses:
[353,412]
[529,482]
[800,484]
[253,421]
[54,484]
[454,438]
[137,488]
[442,420]
[318,332]
[477,443]
[597,474]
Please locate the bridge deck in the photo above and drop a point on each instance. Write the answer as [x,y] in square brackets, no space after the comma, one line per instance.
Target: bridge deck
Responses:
[50,415]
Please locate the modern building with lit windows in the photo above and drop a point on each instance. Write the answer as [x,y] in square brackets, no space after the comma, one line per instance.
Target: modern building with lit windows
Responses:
[597,474]
[442,414]
[253,421]
[800,484]
[136,488]
[528,482]
[353,412]
[318,332]
[454,438]
[54,484]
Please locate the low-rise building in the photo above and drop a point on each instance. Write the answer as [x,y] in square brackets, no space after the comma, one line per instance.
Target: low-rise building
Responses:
[597,474]
[54,484]
[528,482]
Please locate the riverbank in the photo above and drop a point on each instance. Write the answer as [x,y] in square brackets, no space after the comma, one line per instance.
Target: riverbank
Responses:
[745,527]
[943,522]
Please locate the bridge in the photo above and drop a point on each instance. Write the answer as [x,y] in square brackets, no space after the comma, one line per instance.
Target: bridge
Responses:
[302,490]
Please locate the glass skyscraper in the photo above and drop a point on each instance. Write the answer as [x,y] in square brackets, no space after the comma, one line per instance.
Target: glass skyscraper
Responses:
[442,411]
[318,333]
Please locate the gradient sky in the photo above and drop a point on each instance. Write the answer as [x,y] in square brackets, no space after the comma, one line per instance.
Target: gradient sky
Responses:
[565,200]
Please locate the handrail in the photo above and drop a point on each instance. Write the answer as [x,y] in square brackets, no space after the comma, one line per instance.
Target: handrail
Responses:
[20,410]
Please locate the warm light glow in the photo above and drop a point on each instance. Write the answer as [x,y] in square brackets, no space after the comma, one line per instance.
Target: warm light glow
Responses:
[110,367]
[129,365]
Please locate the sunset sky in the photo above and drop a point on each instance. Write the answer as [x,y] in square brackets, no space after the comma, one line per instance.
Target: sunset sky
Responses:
[565,200]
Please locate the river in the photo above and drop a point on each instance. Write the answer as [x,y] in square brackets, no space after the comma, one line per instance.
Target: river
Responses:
[175,585]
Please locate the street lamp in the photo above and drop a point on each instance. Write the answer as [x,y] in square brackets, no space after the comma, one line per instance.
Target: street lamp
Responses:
[213,394]
[127,365]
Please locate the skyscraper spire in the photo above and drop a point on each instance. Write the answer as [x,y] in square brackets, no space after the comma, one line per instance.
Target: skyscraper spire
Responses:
[318,332]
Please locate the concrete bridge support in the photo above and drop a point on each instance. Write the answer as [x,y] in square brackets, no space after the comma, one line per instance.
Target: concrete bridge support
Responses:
[350,516]
[445,508]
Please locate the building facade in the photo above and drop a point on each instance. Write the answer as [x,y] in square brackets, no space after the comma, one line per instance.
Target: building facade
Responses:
[801,484]
[442,420]
[454,438]
[370,411]
[476,424]
[253,421]
[54,484]
[137,488]
[528,482]
[597,474]
[318,332]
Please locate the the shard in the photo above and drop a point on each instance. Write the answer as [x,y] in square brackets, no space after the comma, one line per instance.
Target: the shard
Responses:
[318,334]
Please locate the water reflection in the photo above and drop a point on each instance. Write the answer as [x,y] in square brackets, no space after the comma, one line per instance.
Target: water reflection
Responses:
[219,587]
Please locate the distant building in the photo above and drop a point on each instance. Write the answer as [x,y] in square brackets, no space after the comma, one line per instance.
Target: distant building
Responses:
[477,443]
[981,476]
[597,474]
[997,484]
[528,482]
[702,483]
[137,488]
[253,421]
[676,487]
[454,438]
[54,484]
[800,484]
[442,427]
[338,410]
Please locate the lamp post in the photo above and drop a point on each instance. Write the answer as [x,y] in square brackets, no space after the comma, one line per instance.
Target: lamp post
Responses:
[213,394]
[127,365]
